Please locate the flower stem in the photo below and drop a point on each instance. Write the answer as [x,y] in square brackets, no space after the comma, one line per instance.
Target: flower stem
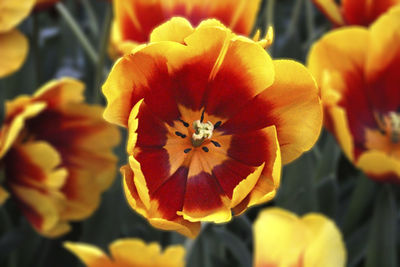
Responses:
[93,24]
[99,76]
[294,18]
[270,19]
[78,32]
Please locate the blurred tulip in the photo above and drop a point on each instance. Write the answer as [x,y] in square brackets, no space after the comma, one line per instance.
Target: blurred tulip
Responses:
[128,253]
[359,75]
[56,155]
[282,239]
[354,12]
[134,20]
[13,44]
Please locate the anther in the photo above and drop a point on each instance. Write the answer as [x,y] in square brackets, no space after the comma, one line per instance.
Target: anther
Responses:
[184,123]
[180,134]
[202,115]
[205,148]
[217,124]
[187,150]
[215,143]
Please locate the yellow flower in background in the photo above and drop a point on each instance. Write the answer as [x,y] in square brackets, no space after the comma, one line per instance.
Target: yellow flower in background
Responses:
[211,118]
[354,12]
[56,155]
[129,253]
[13,44]
[134,20]
[358,72]
[282,239]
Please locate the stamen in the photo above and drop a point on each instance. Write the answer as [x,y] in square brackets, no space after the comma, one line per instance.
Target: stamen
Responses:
[180,134]
[205,148]
[215,143]
[184,123]
[187,150]
[202,131]
[217,124]
[202,115]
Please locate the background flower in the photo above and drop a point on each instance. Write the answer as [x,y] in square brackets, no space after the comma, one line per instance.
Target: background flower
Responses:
[134,20]
[13,44]
[357,69]
[354,12]
[284,239]
[207,123]
[129,252]
[56,155]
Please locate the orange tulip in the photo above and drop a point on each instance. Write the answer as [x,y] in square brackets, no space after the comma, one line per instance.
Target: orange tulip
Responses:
[359,75]
[129,252]
[55,153]
[354,12]
[134,20]
[282,239]
[13,44]
[210,115]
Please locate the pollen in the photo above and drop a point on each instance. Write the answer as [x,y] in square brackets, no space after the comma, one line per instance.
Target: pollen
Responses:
[202,131]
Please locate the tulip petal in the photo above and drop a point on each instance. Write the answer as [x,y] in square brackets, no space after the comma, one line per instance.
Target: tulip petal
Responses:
[4,195]
[13,51]
[297,116]
[379,166]
[13,12]
[365,12]
[382,66]
[88,254]
[337,61]
[331,10]
[312,240]
[175,30]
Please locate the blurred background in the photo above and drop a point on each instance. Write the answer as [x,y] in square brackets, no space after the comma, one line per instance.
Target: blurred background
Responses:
[321,180]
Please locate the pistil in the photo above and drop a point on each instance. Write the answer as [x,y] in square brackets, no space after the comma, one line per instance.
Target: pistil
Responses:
[202,131]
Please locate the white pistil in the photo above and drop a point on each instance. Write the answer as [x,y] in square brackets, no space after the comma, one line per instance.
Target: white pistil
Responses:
[202,131]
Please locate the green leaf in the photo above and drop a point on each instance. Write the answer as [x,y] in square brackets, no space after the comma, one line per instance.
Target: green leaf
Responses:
[297,192]
[356,245]
[235,245]
[360,203]
[381,248]
[328,193]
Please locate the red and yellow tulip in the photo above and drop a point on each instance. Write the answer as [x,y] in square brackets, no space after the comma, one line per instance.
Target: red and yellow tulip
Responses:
[211,117]
[134,20]
[358,71]
[13,44]
[129,252]
[354,12]
[56,155]
[282,239]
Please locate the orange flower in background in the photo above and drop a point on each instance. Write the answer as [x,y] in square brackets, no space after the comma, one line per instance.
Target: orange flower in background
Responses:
[354,12]
[210,115]
[129,253]
[56,155]
[283,239]
[134,20]
[359,75]
[13,44]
